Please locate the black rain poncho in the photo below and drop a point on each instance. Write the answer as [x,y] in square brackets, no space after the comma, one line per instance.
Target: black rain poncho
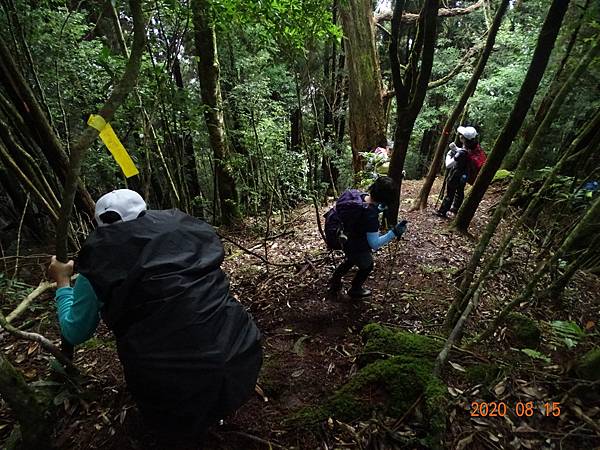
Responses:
[190,352]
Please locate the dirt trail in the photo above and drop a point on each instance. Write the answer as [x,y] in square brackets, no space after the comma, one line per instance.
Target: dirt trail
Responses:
[310,343]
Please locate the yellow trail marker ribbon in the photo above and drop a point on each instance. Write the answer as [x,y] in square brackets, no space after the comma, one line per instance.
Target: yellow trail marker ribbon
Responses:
[110,139]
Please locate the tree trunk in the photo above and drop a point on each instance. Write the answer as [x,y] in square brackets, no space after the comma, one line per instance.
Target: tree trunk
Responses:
[590,217]
[545,44]
[421,201]
[411,89]
[424,151]
[208,73]
[367,122]
[38,125]
[121,90]
[35,426]
[551,92]
[556,289]
[466,287]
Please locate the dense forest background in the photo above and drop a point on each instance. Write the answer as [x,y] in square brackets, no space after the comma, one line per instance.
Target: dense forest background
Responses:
[252,114]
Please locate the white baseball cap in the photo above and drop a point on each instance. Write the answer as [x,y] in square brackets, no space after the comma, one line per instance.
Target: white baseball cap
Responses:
[467,132]
[125,202]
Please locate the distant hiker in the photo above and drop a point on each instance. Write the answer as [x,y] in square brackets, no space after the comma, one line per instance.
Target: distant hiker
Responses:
[462,165]
[190,352]
[352,225]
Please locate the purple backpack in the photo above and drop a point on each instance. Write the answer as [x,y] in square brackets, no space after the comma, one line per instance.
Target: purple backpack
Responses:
[345,214]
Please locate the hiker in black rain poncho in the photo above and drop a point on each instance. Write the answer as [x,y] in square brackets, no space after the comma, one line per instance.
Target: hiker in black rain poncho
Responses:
[352,225]
[190,352]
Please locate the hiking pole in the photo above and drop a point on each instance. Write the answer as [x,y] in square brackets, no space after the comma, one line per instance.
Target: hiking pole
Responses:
[441,194]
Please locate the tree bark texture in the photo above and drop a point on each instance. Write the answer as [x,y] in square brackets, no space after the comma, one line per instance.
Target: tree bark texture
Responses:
[541,55]
[367,118]
[411,88]
[421,201]
[208,73]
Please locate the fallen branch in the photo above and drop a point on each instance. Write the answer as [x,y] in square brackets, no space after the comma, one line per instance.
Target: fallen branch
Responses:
[263,259]
[42,287]
[456,332]
[43,341]
[268,444]
[443,12]
[21,307]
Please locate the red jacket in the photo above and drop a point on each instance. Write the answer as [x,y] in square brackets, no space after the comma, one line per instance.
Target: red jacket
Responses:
[476,161]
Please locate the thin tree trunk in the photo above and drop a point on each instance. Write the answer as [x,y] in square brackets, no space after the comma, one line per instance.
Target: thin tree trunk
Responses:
[208,72]
[588,219]
[125,85]
[467,287]
[545,44]
[552,90]
[421,201]
[38,125]
[410,90]
[556,289]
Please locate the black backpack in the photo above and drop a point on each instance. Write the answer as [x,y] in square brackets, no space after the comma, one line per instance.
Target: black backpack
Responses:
[340,219]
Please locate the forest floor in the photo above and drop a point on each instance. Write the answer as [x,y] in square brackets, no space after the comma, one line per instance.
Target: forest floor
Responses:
[311,345]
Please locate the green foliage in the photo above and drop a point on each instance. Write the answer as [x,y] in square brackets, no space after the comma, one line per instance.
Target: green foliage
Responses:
[565,333]
[588,366]
[13,289]
[535,354]
[524,330]
[502,174]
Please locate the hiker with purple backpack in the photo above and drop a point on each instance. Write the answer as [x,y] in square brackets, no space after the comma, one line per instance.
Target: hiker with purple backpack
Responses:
[352,225]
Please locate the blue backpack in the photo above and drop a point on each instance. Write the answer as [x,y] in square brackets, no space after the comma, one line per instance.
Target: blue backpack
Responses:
[342,218]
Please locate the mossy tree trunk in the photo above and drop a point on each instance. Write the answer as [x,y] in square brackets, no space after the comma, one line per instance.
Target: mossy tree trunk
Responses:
[447,131]
[410,87]
[525,165]
[535,72]
[209,73]
[28,408]
[367,117]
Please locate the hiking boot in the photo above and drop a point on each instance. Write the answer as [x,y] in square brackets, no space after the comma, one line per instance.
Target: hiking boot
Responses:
[359,292]
[441,214]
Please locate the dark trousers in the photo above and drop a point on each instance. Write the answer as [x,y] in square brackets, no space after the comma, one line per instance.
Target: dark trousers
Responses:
[364,262]
[455,194]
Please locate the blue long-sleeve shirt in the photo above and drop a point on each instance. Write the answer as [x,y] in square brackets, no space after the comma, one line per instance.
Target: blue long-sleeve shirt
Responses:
[376,241]
[78,311]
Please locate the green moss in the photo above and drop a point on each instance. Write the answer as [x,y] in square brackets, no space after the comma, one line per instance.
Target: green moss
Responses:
[588,366]
[482,373]
[383,341]
[390,386]
[525,331]
[96,342]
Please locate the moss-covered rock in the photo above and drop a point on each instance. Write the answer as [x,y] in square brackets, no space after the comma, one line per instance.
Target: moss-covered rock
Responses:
[588,367]
[390,384]
[524,331]
[380,340]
